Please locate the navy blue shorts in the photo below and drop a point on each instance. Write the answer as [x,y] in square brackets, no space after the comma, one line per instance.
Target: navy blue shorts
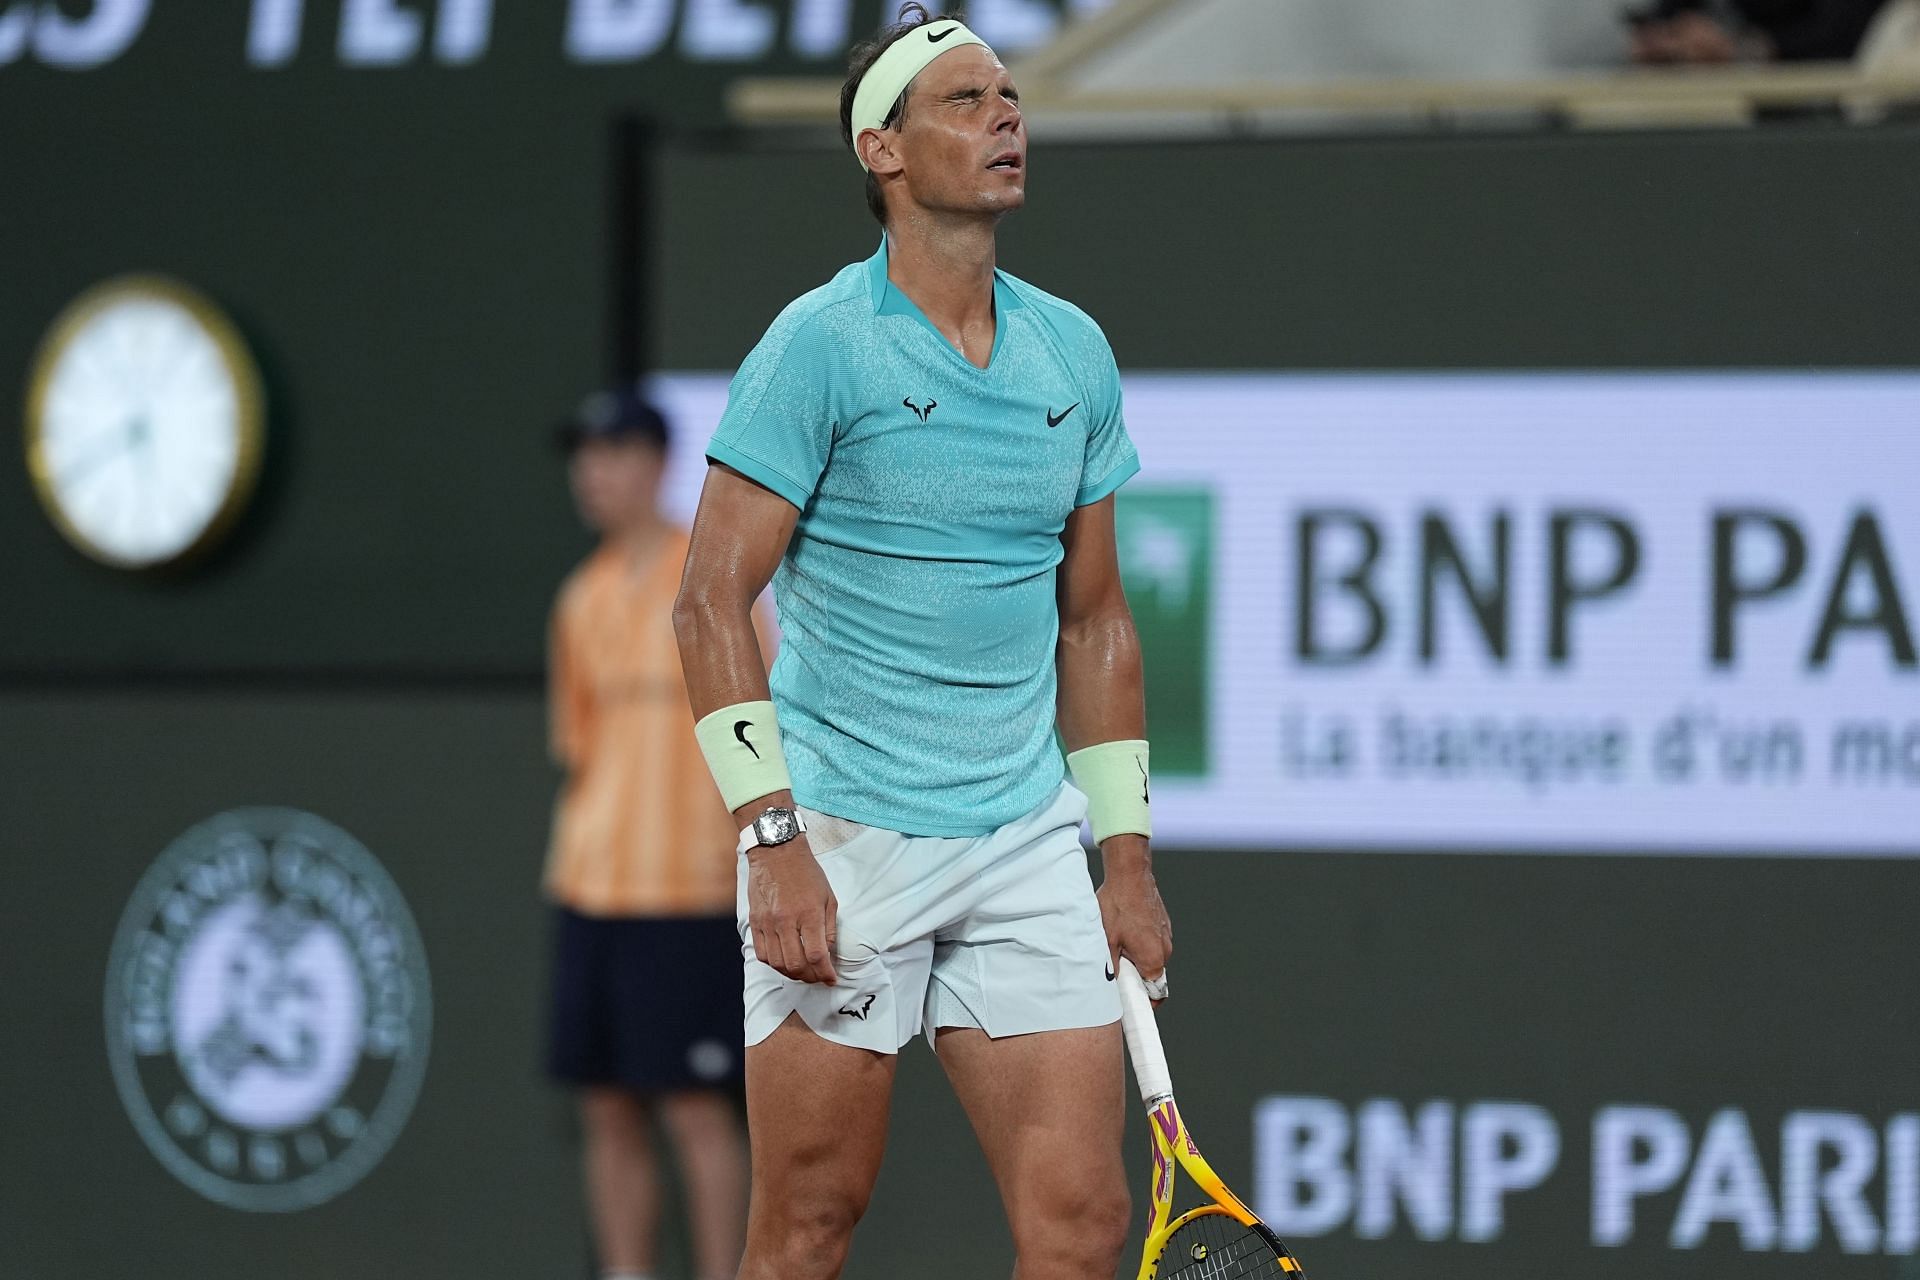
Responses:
[653,1004]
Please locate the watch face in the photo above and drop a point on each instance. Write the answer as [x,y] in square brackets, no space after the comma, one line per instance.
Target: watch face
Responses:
[144,423]
[777,826]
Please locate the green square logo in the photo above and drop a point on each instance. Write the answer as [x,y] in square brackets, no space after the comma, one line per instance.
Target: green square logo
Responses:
[1166,561]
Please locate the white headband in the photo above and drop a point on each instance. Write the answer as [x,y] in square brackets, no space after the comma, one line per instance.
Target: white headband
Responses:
[895,69]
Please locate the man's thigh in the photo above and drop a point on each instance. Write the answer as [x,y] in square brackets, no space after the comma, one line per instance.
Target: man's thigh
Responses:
[817,1115]
[1049,1109]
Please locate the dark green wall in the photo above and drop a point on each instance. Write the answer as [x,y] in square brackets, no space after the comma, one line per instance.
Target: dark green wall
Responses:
[1783,247]
[427,287]
[1571,982]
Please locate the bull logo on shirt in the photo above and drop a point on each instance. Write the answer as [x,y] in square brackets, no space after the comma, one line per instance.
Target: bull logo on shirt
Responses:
[922,413]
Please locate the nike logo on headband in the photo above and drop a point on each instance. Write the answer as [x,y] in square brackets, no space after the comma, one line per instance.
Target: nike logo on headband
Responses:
[936,39]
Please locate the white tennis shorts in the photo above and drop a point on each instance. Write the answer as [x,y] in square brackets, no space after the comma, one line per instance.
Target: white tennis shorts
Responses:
[1000,932]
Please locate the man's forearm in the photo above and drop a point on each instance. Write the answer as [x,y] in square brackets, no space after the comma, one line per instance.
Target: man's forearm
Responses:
[1125,855]
[719,650]
[1102,683]
[721,660]
[1102,698]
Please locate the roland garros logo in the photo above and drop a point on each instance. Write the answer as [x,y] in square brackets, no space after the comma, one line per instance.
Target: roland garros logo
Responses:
[268,1010]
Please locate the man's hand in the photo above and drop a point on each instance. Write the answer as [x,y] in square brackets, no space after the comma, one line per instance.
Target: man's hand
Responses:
[1703,39]
[1130,908]
[1691,37]
[792,911]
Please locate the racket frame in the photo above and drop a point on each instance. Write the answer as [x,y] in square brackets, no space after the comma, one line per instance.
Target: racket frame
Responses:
[1172,1144]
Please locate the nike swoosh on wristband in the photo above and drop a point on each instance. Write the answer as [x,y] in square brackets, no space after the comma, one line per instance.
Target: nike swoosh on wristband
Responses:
[740,728]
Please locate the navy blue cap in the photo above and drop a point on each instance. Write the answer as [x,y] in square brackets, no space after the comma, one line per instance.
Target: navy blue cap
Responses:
[613,415]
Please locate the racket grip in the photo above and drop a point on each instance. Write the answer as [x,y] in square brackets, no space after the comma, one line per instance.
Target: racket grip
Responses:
[1143,1037]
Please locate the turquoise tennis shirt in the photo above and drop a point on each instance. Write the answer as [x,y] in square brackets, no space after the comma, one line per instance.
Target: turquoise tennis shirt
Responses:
[915,680]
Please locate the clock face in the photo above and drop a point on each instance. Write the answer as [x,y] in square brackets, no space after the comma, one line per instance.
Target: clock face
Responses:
[144,424]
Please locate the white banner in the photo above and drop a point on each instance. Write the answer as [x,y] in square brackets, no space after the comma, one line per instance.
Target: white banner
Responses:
[1661,613]
[1835,1181]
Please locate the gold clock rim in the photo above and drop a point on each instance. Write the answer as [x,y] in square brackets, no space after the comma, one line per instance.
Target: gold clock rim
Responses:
[250,410]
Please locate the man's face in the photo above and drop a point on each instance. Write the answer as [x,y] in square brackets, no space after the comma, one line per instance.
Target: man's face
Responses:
[964,143]
[615,482]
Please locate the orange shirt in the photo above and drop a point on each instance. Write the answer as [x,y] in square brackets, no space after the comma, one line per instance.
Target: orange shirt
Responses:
[639,829]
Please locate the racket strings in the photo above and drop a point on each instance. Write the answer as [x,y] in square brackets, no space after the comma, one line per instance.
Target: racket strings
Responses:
[1215,1247]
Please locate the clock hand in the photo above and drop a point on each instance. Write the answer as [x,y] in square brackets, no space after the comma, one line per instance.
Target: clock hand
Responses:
[117,443]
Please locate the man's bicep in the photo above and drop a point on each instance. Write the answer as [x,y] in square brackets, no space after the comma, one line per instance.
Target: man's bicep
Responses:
[1090,567]
[739,534]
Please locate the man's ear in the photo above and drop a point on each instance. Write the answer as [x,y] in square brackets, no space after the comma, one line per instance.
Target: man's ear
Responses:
[878,150]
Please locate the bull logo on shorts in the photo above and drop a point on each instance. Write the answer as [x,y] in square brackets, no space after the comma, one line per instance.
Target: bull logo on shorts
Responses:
[861,1009]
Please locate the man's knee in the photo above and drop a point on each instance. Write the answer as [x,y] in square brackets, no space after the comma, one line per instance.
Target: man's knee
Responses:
[826,1214]
[809,1227]
[1074,1225]
[612,1115]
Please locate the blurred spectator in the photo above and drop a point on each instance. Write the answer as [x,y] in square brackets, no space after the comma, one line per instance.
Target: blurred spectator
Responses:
[646,981]
[1892,45]
[1706,31]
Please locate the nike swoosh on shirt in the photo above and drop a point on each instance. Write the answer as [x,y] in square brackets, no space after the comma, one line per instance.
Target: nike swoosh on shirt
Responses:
[1054,422]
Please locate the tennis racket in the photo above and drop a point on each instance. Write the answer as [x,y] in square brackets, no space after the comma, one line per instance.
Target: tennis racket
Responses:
[1218,1241]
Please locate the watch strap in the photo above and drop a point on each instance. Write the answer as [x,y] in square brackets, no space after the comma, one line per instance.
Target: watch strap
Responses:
[750,834]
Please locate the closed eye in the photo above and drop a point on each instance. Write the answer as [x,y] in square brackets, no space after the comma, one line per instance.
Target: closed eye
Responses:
[970,96]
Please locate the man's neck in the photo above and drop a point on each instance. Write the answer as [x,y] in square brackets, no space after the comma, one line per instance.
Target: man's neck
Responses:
[947,269]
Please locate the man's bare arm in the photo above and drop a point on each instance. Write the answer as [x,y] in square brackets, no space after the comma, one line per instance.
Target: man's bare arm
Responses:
[1102,698]
[739,534]
[1102,686]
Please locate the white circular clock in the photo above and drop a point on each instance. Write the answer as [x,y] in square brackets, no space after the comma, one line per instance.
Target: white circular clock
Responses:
[144,422]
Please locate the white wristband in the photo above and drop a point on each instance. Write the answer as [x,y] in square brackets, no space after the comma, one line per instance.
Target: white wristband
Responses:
[750,834]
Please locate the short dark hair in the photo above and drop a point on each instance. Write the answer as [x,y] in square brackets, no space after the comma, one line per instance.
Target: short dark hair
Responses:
[913,16]
[621,414]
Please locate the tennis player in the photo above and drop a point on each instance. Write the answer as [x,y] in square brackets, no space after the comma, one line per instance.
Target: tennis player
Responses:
[921,456]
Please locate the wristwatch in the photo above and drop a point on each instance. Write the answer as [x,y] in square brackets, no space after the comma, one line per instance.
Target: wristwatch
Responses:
[774,826]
